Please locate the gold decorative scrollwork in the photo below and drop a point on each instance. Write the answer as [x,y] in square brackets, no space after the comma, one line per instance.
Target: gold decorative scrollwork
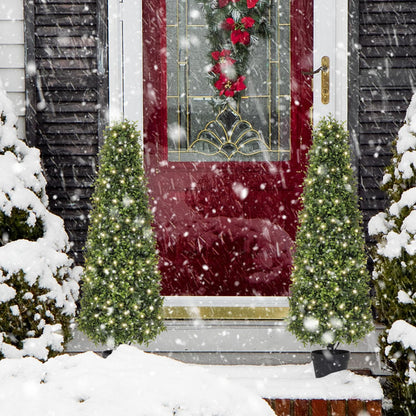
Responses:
[229,135]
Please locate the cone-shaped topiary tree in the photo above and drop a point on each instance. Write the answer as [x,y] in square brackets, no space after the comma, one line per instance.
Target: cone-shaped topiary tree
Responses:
[395,269]
[121,300]
[38,283]
[330,300]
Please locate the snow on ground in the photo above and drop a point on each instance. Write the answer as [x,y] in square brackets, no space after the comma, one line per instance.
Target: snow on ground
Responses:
[128,382]
[299,382]
[132,382]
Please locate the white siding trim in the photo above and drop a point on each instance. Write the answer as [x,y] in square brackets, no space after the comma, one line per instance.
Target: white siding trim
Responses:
[114,61]
[11,32]
[11,10]
[13,79]
[12,56]
[18,100]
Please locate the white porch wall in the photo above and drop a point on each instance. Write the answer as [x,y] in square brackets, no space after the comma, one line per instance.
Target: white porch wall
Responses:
[12,71]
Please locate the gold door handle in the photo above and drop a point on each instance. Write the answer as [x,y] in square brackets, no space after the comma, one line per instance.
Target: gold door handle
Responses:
[324,70]
[325,80]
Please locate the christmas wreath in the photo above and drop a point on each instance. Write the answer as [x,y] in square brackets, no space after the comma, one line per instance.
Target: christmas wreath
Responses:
[234,27]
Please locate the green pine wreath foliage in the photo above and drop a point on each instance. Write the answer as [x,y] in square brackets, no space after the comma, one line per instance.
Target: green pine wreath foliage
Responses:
[330,300]
[121,300]
[219,38]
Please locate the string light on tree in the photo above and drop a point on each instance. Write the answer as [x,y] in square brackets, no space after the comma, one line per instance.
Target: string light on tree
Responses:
[329,249]
[118,311]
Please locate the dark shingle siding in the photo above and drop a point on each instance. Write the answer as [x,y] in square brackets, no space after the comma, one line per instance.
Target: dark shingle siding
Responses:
[387,79]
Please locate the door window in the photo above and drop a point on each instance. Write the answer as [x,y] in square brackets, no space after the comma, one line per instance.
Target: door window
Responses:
[258,127]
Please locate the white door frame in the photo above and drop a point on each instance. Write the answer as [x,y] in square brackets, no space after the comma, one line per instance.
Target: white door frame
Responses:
[331,39]
[125,73]
[126,90]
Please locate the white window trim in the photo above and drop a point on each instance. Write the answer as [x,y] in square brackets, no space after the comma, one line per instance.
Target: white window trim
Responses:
[114,61]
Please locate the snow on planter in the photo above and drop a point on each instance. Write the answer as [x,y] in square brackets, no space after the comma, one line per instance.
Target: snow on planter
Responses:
[128,382]
[38,282]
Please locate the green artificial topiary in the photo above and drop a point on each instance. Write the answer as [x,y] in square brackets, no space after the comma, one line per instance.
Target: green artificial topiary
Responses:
[38,283]
[330,300]
[395,270]
[121,300]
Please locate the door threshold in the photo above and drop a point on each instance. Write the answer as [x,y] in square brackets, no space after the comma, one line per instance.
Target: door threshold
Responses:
[225,307]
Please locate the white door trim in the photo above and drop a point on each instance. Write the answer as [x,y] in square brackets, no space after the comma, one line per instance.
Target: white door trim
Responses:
[331,39]
[125,61]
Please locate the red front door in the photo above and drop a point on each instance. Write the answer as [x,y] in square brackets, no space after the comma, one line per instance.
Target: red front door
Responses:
[225,186]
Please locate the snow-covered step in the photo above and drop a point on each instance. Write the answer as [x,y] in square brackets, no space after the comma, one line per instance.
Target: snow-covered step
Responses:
[250,342]
[293,390]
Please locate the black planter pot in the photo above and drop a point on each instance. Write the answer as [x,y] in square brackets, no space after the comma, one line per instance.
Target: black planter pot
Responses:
[106,353]
[329,361]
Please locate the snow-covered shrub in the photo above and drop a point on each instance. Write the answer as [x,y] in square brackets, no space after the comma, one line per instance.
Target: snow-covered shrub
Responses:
[38,283]
[121,300]
[330,301]
[395,268]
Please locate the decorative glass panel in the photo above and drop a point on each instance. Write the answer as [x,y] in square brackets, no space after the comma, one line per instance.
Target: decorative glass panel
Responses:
[255,129]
